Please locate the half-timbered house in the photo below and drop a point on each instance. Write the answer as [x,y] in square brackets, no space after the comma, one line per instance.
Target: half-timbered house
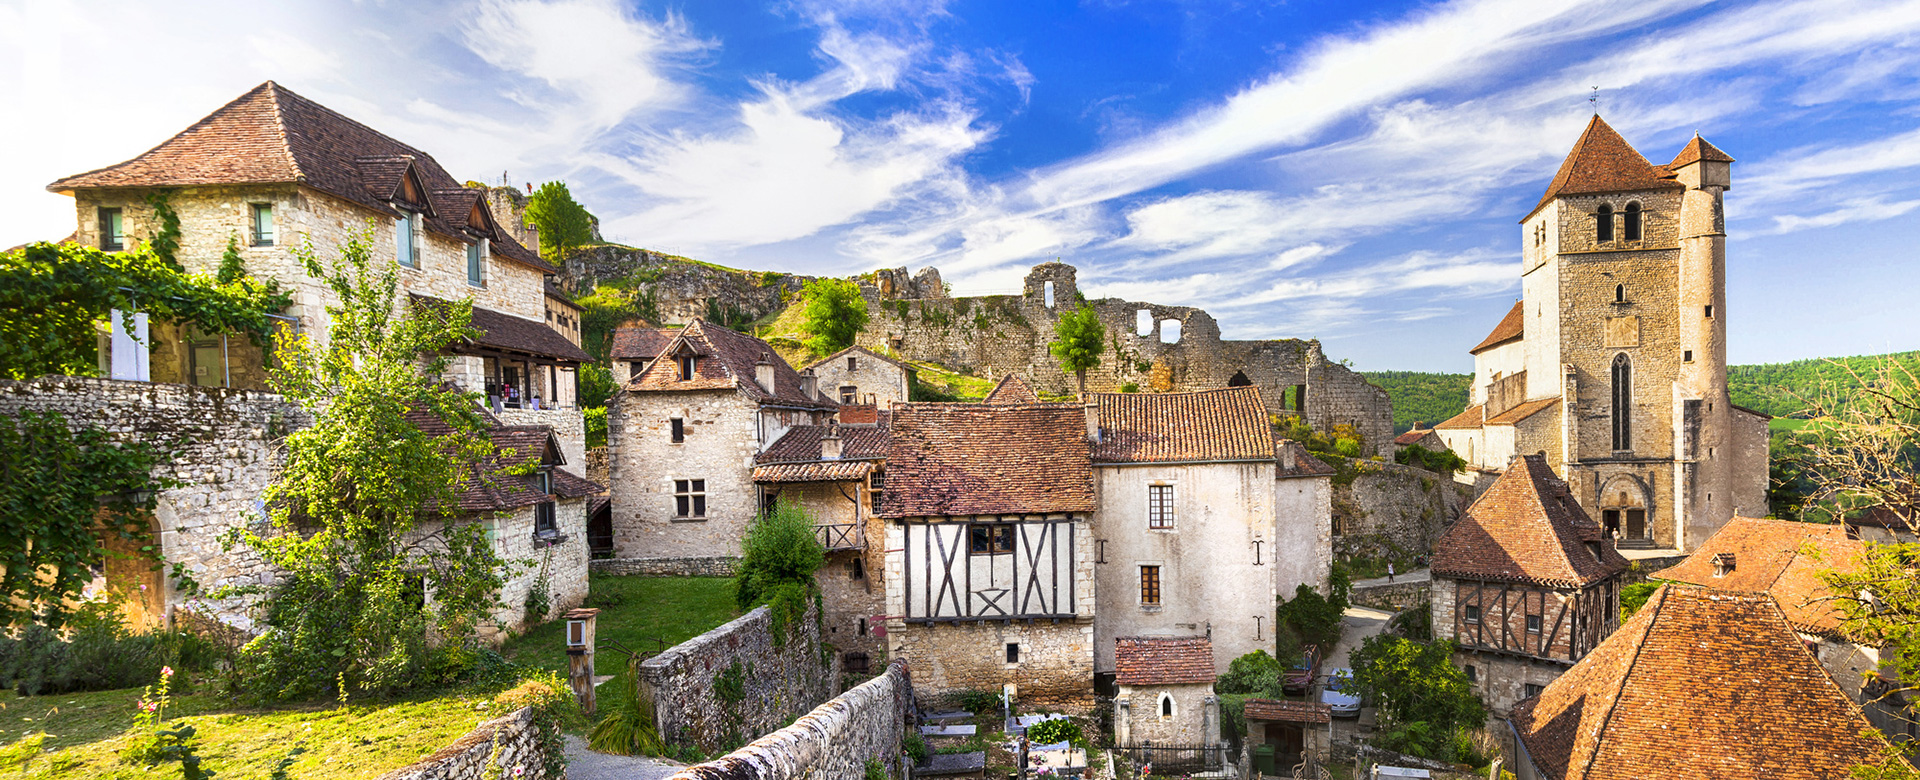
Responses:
[835,472]
[989,572]
[1525,584]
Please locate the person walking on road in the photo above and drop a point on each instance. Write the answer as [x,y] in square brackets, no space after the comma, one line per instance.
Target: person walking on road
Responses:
[1389,571]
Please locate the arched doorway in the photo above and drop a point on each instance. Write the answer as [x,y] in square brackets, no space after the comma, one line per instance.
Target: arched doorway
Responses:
[1623,509]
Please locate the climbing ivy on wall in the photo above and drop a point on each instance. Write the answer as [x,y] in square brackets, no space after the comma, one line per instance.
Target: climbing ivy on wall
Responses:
[166,241]
[63,491]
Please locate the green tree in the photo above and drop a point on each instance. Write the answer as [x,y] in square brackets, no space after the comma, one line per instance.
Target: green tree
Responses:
[1427,702]
[1078,336]
[1255,675]
[835,313]
[778,557]
[53,298]
[1317,619]
[376,558]
[564,224]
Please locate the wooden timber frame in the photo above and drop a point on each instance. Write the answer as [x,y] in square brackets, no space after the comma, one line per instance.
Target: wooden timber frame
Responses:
[1042,545]
[1580,617]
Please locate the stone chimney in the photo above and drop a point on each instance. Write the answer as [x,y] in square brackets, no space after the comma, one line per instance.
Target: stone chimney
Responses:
[1093,421]
[763,372]
[809,385]
[830,443]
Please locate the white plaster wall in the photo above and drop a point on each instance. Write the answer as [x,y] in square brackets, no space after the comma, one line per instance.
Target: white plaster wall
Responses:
[1303,533]
[1504,360]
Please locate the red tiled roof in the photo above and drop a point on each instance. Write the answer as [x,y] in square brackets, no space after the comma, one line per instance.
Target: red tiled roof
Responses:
[1160,660]
[966,459]
[1768,556]
[1289,711]
[1012,389]
[817,471]
[1523,411]
[271,135]
[1295,461]
[515,334]
[1699,683]
[1473,417]
[1602,161]
[489,486]
[727,361]
[801,443]
[1209,425]
[1696,150]
[1511,327]
[1412,437]
[1526,528]
[640,343]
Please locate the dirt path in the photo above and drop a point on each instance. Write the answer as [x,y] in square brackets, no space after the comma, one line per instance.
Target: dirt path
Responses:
[584,764]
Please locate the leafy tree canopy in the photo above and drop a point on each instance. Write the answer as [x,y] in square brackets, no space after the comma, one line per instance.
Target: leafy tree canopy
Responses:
[835,313]
[778,557]
[1316,618]
[1078,337]
[1419,396]
[564,224]
[1417,683]
[52,296]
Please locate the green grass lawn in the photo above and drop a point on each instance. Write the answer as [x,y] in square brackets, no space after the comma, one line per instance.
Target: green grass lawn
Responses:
[647,611]
[87,731]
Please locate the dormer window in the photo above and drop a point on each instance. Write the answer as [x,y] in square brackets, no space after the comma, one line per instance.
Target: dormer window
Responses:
[686,368]
[1603,223]
[1632,222]
[406,231]
[1723,564]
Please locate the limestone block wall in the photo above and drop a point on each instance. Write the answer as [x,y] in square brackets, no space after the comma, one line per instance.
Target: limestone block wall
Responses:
[1303,533]
[1644,328]
[834,741]
[884,381]
[772,681]
[644,462]
[1502,680]
[472,757]
[569,426]
[563,565]
[711,566]
[1138,718]
[1389,509]
[1395,596]
[1055,670]
[222,444]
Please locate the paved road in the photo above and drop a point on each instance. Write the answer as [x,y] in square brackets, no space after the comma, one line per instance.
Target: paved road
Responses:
[584,764]
[1361,622]
[1417,575]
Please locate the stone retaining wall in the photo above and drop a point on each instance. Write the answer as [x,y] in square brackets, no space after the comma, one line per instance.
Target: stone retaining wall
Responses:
[1394,596]
[470,757]
[1390,510]
[771,682]
[833,741]
[713,566]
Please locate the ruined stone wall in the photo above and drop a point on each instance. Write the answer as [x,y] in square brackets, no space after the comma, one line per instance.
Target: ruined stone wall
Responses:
[834,741]
[472,757]
[1390,510]
[710,566]
[222,445]
[719,689]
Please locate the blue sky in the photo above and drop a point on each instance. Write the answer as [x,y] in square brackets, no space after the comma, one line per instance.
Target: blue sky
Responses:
[1345,171]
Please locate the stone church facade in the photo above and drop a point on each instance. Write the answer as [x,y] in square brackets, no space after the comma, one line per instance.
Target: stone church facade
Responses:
[1614,362]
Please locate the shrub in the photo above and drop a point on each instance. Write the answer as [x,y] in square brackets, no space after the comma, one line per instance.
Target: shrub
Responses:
[1317,618]
[835,313]
[1130,387]
[1048,732]
[1427,700]
[1415,624]
[777,560]
[1633,597]
[977,701]
[915,746]
[102,654]
[1443,461]
[596,426]
[1255,674]
[875,771]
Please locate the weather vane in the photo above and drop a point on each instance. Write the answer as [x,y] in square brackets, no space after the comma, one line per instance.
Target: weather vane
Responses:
[1594,100]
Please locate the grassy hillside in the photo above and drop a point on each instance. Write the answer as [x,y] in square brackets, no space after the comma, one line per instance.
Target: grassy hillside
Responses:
[1422,397]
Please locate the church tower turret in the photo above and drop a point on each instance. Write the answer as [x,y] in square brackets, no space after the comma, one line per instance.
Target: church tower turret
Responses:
[1703,411]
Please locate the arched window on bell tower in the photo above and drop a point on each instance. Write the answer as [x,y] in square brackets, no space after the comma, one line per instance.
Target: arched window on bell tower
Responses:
[1632,222]
[1622,402]
[1603,223]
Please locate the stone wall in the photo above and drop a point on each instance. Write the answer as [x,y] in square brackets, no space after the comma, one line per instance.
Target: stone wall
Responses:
[773,681]
[683,289]
[834,741]
[562,565]
[569,426]
[1395,596]
[721,438]
[1055,670]
[712,566]
[472,757]
[222,445]
[1390,510]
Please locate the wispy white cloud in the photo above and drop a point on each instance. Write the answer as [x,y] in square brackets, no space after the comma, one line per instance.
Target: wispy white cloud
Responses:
[1854,210]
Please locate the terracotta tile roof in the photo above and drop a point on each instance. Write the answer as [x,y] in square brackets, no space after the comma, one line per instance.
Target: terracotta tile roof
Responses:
[640,343]
[553,289]
[488,486]
[817,471]
[726,362]
[1526,527]
[1412,437]
[1699,683]
[271,135]
[508,333]
[1602,161]
[1511,327]
[1163,660]
[1296,461]
[1696,150]
[863,352]
[801,443]
[860,414]
[1012,389]
[1523,411]
[1209,425]
[1769,556]
[965,459]
[1289,711]
[1473,417]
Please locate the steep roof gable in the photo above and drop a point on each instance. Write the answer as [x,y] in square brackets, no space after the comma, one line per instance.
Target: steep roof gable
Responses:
[641,343]
[1527,528]
[1225,424]
[1771,556]
[730,363]
[1719,674]
[1697,150]
[1012,389]
[859,351]
[968,459]
[1511,327]
[1602,161]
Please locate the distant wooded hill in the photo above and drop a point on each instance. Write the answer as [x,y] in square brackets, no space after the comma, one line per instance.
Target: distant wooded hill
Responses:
[1765,387]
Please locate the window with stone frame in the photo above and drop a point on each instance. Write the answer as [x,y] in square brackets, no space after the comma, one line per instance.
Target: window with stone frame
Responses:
[1603,223]
[260,229]
[853,364]
[477,267]
[1630,222]
[1622,411]
[1150,586]
[1160,507]
[690,498]
[848,393]
[1532,690]
[113,235]
[678,429]
[545,525]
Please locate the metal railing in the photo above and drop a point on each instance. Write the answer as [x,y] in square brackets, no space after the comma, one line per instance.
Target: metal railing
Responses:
[841,536]
[1177,759]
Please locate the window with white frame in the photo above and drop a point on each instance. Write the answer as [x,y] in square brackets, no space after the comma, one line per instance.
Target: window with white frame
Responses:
[1160,507]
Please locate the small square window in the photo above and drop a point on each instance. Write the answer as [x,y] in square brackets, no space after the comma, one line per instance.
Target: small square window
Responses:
[679,427]
[990,539]
[1533,690]
[1473,674]
[1709,311]
[1013,652]
[113,236]
[690,497]
[1471,614]
[1686,356]
[1533,624]
[262,226]
[853,364]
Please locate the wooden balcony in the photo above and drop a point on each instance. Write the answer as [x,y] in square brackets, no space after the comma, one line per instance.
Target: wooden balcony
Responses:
[841,536]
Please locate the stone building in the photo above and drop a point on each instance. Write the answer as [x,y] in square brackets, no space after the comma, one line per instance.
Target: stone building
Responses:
[563,314]
[1699,683]
[682,436]
[1784,559]
[989,550]
[271,172]
[632,349]
[1165,692]
[1200,528]
[1011,389]
[1525,584]
[836,472]
[1624,386]
[1421,436]
[857,375]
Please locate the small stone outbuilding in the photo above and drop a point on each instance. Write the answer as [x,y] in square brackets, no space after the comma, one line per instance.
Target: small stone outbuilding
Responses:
[1165,692]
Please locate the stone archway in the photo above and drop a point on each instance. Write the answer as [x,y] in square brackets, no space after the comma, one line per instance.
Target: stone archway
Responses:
[1624,508]
[1239,380]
